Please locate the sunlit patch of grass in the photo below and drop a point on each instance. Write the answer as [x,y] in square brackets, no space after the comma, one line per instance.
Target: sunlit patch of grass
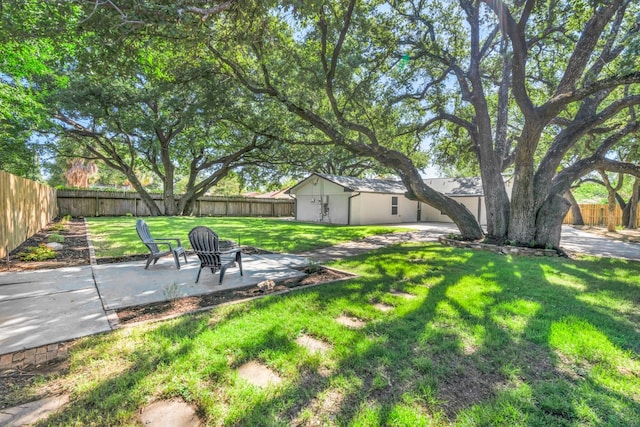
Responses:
[473,295]
[514,315]
[116,236]
[595,355]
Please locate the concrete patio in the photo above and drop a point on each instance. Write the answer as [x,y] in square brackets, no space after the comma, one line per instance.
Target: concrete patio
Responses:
[49,306]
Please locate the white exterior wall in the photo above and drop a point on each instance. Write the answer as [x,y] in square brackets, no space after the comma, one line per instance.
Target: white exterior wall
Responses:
[366,208]
[430,214]
[375,208]
[311,202]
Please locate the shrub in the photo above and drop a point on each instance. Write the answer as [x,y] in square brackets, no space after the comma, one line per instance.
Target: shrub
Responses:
[55,237]
[38,253]
[314,267]
[59,226]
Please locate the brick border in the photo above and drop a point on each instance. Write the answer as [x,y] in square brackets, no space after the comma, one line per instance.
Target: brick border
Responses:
[34,356]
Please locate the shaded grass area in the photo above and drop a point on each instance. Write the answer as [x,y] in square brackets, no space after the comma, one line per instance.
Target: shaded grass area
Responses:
[485,340]
[116,236]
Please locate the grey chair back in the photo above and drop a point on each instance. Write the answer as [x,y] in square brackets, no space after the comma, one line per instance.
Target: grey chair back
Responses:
[143,232]
[206,245]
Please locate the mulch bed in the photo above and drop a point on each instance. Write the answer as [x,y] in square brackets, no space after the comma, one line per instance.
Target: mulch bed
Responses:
[161,310]
[75,252]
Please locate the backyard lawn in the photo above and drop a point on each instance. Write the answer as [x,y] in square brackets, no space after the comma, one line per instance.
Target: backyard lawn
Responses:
[448,337]
[116,236]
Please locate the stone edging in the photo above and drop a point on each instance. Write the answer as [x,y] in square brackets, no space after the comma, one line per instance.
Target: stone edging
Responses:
[92,251]
[118,325]
[505,250]
[33,356]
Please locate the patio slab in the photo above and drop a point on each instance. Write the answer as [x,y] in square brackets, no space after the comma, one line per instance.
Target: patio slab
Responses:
[48,306]
[129,284]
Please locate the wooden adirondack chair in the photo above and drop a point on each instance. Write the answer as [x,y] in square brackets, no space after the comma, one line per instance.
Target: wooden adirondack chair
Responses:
[159,247]
[206,245]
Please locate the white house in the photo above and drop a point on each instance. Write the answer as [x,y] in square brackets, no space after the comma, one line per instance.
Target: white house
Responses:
[467,191]
[346,200]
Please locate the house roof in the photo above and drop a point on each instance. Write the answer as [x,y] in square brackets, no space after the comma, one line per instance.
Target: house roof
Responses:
[366,185]
[457,186]
[362,185]
[453,187]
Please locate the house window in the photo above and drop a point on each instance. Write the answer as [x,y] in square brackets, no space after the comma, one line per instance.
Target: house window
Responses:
[394,205]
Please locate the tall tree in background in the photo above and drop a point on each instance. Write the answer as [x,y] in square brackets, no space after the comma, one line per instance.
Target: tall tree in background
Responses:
[154,111]
[331,67]
[523,87]
[28,55]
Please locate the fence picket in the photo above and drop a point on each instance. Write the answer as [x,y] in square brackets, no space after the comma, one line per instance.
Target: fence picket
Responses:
[25,207]
[593,214]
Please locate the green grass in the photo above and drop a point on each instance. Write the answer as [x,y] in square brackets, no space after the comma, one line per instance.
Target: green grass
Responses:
[487,340]
[116,236]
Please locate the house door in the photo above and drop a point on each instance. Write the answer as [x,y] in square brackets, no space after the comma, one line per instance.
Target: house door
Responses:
[419,213]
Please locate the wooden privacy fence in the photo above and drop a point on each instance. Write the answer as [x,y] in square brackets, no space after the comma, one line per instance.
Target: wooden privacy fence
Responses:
[107,203]
[25,207]
[596,215]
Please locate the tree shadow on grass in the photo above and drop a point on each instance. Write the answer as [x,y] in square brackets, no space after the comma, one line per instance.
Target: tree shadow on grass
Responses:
[111,401]
[510,371]
[487,340]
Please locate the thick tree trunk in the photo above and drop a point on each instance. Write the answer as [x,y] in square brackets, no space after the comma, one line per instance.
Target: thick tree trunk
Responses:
[497,208]
[633,206]
[549,221]
[576,213]
[168,195]
[170,206]
[611,212]
[154,210]
[461,216]
[467,224]
[611,199]
[523,213]
[188,208]
[496,199]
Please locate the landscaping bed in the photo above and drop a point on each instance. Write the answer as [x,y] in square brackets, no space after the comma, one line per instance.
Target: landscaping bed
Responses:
[167,309]
[74,251]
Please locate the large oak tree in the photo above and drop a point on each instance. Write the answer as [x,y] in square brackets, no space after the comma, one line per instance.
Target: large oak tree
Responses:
[521,83]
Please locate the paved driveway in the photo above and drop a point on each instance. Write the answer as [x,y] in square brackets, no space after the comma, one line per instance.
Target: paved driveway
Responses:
[574,240]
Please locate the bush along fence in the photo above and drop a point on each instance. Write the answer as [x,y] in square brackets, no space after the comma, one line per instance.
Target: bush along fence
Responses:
[25,207]
[90,203]
[597,215]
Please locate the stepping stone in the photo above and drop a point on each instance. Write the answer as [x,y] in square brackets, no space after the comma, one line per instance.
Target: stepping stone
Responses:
[383,307]
[32,412]
[402,294]
[258,374]
[174,412]
[312,344]
[350,322]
